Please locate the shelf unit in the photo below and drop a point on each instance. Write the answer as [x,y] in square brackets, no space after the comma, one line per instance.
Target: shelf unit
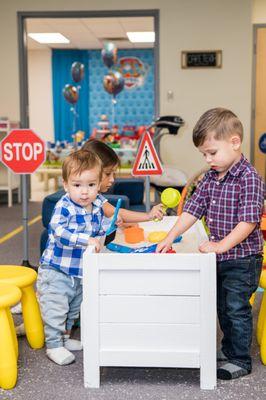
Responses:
[8,180]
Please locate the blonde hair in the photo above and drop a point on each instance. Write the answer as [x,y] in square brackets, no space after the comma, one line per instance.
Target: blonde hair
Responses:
[79,161]
[224,123]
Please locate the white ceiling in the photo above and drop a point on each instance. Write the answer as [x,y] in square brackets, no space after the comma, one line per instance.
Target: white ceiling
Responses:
[90,33]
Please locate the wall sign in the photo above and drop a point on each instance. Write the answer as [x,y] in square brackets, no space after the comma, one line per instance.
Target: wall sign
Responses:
[201,59]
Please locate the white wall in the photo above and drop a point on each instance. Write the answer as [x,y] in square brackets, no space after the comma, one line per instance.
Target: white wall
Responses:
[184,25]
[40,93]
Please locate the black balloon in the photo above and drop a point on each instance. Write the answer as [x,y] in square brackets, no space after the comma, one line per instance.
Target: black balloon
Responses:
[113,82]
[71,93]
[77,71]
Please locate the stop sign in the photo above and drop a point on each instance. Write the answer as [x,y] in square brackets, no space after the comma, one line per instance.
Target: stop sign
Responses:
[22,151]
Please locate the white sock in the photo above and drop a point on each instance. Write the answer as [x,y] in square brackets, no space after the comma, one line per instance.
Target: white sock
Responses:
[60,355]
[72,344]
[20,330]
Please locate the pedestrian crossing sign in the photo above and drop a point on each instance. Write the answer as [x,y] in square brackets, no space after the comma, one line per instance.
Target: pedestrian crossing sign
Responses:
[147,161]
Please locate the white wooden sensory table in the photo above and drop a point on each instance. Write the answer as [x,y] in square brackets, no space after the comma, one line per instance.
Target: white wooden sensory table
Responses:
[150,310]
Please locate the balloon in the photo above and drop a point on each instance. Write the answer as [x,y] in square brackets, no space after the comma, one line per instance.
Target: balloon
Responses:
[113,82]
[77,71]
[71,93]
[109,54]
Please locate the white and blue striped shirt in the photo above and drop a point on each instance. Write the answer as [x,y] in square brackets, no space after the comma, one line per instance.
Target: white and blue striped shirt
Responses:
[70,228]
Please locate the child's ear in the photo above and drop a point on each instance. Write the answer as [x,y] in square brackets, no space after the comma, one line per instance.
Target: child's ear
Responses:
[65,186]
[236,142]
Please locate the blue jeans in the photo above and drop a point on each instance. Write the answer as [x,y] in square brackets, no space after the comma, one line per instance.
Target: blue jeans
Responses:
[60,296]
[236,281]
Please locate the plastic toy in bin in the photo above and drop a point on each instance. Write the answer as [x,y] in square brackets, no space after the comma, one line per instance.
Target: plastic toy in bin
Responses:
[170,198]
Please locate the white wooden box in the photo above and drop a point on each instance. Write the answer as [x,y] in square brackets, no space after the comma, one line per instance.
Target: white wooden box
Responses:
[151,310]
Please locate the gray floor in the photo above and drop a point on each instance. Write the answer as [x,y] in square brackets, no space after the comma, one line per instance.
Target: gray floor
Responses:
[40,379]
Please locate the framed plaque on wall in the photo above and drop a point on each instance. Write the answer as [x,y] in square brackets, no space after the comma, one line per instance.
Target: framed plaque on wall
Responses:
[201,59]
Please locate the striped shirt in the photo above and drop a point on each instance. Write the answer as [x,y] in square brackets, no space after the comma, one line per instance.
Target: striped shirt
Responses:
[70,228]
[225,202]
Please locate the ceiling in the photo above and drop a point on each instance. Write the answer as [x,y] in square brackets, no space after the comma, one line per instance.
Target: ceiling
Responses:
[90,33]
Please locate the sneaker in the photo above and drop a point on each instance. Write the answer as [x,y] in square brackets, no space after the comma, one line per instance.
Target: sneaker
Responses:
[231,371]
[72,344]
[60,355]
[20,330]
[17,309]
[221,356]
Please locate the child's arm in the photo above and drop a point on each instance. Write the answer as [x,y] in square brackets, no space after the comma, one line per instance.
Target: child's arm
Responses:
[134,216]
[59,226]
[240,232]
[184,222]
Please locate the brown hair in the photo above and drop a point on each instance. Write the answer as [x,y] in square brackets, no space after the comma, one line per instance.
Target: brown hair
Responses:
[222,122]
[107,155]
[79,161]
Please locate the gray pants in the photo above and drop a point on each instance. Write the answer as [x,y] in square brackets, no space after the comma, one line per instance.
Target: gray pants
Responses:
[60,297]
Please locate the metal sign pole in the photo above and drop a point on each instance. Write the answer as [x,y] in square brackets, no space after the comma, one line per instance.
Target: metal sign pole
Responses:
[147,193]
[25,261]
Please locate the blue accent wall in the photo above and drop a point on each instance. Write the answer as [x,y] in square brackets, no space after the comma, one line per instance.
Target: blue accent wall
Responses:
[134,106]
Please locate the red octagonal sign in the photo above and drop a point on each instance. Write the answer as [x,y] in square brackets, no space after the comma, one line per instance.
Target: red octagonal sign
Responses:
[22,151]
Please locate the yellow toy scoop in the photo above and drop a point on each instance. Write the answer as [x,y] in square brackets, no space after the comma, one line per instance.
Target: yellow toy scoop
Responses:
[156,236]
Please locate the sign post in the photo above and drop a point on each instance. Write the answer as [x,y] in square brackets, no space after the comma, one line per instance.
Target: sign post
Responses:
[147,163]
[22,151]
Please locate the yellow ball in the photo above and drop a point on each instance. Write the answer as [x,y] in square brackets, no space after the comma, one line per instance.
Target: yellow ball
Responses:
[170,197]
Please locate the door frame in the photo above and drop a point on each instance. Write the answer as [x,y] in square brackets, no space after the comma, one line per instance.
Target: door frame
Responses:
[22,48]
[253,95]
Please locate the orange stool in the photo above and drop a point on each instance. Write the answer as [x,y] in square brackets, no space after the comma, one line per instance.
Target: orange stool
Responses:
[9,295]
[24,278]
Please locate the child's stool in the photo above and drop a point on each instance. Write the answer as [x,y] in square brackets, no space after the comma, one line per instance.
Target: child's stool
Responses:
[261,326]
[9,295]
[24,278]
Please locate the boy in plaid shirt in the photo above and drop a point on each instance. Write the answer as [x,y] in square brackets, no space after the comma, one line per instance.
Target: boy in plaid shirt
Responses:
[76,222]
[231,197]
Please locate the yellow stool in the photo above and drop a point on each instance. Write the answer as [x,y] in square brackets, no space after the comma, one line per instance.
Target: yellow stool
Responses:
[24,278]
[9,295]
[261,326]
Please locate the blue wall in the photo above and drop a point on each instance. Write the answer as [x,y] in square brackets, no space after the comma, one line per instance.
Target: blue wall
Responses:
[134,106]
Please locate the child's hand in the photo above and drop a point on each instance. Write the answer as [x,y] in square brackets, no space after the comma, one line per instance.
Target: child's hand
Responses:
[156,212]
[210,247]
[164,245]
[95,242]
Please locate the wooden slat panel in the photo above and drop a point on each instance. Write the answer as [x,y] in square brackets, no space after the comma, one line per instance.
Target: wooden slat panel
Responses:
[150,309]
[164,282]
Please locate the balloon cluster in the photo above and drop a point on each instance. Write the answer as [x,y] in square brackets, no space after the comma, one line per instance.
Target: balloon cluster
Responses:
[113,82]
[71,92]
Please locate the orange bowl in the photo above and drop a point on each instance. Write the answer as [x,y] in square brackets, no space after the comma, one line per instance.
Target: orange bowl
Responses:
[134,234]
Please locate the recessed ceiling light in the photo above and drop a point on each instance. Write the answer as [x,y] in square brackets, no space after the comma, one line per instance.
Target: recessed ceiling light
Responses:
[48,37]
[141,37]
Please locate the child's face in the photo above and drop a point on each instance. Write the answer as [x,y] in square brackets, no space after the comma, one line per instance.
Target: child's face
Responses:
[108,178]
[221,154]
[83,188]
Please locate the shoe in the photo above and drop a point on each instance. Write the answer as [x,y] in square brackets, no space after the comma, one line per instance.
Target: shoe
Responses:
[72,344]
[20,330]
[221,356]
[60,355]
[231,371]
[17,309]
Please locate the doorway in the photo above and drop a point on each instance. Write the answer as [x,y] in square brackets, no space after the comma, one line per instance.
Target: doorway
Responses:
[259,98]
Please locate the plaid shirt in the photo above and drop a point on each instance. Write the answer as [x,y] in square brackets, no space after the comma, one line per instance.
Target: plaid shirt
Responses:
[70,228]
[237,197]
